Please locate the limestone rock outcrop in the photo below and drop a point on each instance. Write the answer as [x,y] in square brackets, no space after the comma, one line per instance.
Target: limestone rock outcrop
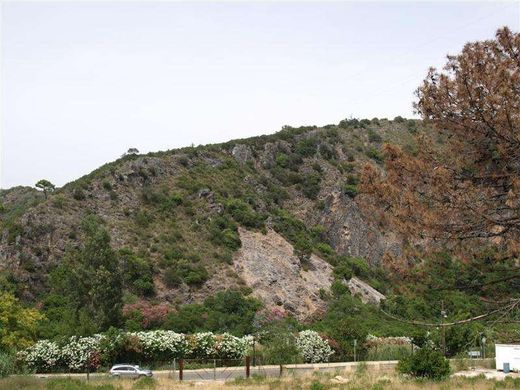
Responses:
[267,264]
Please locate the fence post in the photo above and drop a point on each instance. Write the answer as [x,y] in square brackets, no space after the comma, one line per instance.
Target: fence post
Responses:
[181,369]
[214,369]
[248,366]
[173,370]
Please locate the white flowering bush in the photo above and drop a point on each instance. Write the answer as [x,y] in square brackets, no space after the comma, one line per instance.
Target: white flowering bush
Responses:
[231,347]
[312,347]
[202,345]
[372,340]
[163,344]
[78,353]
[43,356]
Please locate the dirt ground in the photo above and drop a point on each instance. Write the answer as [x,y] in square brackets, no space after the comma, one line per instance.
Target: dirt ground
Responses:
[488,374]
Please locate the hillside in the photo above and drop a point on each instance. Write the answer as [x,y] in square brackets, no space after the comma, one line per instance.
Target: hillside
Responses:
[234,236]
[179,211]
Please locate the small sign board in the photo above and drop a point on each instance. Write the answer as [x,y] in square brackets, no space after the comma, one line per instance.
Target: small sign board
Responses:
[474,354]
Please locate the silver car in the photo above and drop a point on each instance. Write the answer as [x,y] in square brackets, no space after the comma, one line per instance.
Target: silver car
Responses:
[129,371]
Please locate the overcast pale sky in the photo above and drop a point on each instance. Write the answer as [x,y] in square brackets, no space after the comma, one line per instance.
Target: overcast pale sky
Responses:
[81,82]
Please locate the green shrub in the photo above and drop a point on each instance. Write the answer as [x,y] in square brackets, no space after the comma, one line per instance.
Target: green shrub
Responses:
[6,364]
[113,195]
[350,190]
[143,218]
[226,311]
[351,266]
[223,231]
[244,214]
[279,344]
[317,385]
[137,273]
[58,201]
[144,383]
[189,183]
[327,152]
[325,248]
[307,147]
[425,363]
[373,136]
[352,180]
[78,194]
[412,126]
[285,176]
[75,384]
[231,239]
[151,196]
[310,185]
[346,167]
[302,248]
[282,160]
[374,154]
[172,278]
[171,202]
[193,274]
[349,123]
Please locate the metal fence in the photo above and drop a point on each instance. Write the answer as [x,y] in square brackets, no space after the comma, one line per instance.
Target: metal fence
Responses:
[211,369]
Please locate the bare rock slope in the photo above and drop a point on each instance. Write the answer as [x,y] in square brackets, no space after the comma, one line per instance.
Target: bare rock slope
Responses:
[367,293]
[267,264]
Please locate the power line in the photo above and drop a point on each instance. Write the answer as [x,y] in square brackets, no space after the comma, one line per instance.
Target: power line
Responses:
[506,309]
[477,285]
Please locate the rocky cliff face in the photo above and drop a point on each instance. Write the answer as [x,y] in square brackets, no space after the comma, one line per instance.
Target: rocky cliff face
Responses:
[267,264]
[350,233]
[179,211]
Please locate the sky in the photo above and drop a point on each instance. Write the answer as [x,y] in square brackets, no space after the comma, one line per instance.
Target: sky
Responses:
[81,82]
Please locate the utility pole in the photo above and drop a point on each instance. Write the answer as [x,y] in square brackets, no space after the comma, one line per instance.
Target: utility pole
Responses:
[443,331]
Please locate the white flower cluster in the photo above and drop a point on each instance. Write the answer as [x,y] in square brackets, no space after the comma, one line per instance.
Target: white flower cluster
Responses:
[312,347]
[374,340]
[202,345]
[231,347]
[162,343]
[77,352]
[43,355]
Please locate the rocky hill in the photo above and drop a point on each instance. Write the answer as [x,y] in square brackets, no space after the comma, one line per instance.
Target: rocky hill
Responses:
[268,215]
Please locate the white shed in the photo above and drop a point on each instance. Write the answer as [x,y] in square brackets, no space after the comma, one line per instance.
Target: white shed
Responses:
[507,353]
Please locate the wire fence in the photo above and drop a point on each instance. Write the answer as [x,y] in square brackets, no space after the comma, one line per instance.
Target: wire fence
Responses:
[211,369]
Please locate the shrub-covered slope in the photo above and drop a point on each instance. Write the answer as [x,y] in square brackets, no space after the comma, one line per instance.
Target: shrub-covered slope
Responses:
[173,216]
